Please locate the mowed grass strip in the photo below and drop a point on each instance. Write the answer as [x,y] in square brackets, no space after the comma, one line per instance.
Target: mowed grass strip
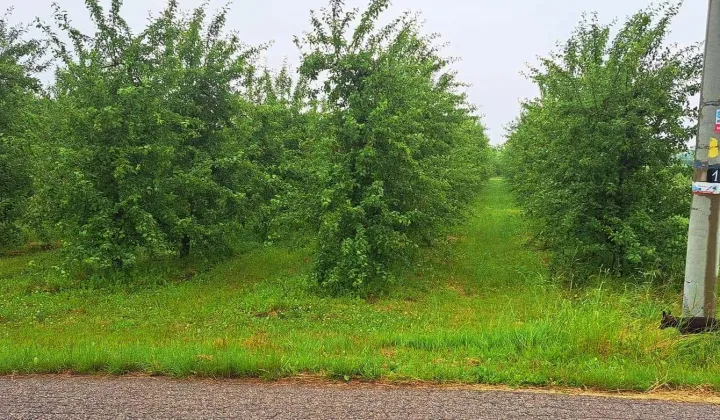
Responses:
[478,309]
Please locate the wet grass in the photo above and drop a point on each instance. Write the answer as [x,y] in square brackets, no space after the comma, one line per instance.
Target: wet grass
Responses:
[478,309]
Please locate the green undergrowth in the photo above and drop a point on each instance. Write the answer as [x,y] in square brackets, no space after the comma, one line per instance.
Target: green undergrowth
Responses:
[479,308]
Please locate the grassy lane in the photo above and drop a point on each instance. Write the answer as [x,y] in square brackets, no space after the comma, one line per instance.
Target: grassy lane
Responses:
[478,309]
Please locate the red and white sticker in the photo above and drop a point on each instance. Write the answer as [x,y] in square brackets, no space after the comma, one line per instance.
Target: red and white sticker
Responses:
[705,188]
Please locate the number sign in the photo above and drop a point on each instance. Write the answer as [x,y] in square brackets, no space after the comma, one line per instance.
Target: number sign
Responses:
[713,175]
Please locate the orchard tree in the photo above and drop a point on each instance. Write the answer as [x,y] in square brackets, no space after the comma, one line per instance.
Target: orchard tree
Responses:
[404,152]
[596,154]
[281,144]
[143,160]
[203,70]
[20,62]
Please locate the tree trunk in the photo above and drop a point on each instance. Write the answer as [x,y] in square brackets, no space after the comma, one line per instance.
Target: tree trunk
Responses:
[117,262]
[185,247]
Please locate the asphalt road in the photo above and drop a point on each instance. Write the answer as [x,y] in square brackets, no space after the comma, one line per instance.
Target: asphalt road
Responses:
[39,397]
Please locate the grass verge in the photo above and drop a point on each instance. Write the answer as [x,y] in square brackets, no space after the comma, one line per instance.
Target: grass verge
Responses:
[479,309]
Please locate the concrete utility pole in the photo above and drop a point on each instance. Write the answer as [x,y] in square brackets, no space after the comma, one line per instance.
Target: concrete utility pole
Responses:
[703,251]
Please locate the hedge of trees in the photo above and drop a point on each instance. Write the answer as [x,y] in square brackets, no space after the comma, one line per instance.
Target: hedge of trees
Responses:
[594,157]
[172,141]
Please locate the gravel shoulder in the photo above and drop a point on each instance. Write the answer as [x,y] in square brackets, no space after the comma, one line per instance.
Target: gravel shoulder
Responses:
[66,396]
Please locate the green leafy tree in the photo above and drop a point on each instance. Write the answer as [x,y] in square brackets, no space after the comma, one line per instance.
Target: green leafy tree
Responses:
[20,61]
[143,159]
[204,70]
[595,155]
[404,153]
[281,145]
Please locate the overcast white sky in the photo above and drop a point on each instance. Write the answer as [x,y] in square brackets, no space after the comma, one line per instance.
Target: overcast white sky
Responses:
[495,39]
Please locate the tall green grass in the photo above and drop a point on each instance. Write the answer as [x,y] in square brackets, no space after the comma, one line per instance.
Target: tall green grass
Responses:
[478,309]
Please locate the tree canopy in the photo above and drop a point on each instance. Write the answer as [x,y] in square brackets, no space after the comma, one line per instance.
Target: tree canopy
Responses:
[595,156]
[406,153]
[21,59]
